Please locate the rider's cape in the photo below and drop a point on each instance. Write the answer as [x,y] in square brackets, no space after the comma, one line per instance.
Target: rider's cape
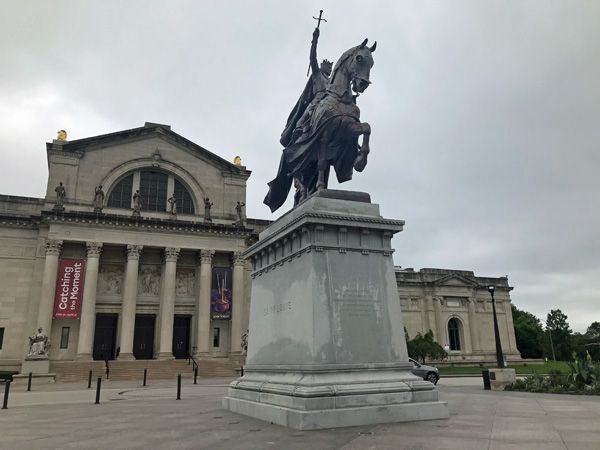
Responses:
[299,108]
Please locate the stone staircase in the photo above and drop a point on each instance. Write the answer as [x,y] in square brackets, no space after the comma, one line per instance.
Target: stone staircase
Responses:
[71,371]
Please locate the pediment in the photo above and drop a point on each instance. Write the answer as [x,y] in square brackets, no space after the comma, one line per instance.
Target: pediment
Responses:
[455,279]
[161,134]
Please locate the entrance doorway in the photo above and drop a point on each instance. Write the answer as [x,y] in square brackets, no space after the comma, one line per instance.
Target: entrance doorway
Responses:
[105,336]
[143,337]
[181,336]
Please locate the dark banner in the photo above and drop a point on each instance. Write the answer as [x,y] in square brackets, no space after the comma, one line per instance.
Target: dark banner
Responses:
[68,289]
[220,299]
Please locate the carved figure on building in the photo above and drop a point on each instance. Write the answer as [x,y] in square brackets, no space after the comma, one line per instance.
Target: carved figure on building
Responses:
[207,206]
[186,284]
[39,346]
[110,282]
[62,135]
[98,202]
[137,203]
[173,202]
[328,135]
[149,281]
[239,211]
[61,193]
[237,161]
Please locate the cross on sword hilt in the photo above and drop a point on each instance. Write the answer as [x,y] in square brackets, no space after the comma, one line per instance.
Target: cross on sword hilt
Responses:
[320,18]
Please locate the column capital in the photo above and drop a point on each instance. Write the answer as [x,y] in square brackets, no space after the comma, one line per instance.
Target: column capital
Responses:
[134,251]
[237,259]
[93,249]
[170,254]
[206,256]
[53,247]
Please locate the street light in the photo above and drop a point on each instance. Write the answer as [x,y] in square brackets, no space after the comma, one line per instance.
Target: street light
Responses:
[551,344]
[499,357]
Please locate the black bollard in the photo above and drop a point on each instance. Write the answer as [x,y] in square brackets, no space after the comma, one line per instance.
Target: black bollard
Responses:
[90,380]
[145,373]
[195,375]
[29,381]
[6,389]
[179,387]
[98,390]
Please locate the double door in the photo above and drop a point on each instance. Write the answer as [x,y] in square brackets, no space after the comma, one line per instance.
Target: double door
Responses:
[143,336]
[105,337]
[181,336]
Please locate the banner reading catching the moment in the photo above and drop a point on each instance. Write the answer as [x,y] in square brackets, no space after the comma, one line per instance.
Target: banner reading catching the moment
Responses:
[220,300]
[68,289]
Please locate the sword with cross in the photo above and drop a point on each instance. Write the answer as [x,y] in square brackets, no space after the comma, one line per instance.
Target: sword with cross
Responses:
[319,20]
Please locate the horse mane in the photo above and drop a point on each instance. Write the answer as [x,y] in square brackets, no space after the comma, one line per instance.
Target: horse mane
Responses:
[347,54]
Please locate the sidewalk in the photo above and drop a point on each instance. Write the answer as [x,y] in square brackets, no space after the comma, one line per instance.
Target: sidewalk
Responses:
[64,416]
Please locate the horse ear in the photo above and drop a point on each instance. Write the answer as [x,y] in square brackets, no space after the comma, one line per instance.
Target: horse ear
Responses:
[373,47]
[364,43]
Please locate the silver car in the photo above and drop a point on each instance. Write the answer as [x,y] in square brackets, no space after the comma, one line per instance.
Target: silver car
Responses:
[428,373]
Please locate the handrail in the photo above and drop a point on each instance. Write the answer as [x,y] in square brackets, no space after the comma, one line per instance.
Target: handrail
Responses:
[190,358]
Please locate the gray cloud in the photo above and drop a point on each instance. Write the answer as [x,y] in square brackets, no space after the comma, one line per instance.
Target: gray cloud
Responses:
[485,114]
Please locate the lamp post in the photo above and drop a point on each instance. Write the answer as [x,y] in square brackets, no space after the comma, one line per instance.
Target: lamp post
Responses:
[499,357]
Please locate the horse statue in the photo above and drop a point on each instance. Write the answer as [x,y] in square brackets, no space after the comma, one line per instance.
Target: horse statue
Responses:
[329,137]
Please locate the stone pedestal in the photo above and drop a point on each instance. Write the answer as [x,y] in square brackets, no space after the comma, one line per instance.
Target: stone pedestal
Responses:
[326,342]
[40,369]
[499,378]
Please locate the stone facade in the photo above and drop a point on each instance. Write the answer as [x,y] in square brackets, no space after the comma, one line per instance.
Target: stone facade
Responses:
[457,307]
[154,270]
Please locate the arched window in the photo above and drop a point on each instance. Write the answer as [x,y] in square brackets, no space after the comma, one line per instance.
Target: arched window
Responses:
[120,197]
[454,334]
[155,188]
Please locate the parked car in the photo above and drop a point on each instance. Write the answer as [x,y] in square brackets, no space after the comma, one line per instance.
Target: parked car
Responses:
[428,373]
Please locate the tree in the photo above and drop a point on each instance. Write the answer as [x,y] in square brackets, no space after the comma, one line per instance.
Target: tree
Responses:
[557,325]
[425,346]
[529,333]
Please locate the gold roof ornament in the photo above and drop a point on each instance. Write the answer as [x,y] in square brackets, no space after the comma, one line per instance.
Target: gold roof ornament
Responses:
[62,135]
[237,161]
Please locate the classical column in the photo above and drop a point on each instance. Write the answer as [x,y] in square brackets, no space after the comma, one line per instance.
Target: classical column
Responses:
[425,315]
[473,325]
[46,308]
[129,301]
[203,306]
[441,335]
[237,307]
[88,303]
[167,304]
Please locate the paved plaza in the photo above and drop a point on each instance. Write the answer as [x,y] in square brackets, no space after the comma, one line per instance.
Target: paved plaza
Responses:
[129,416]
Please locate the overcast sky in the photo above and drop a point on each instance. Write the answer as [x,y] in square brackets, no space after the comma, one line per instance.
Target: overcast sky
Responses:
[485,114]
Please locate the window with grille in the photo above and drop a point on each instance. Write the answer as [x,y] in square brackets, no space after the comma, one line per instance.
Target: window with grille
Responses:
[120,197]
[153,190]
[185,205]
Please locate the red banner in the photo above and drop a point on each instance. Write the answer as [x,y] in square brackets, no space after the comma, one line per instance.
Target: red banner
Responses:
[68,289]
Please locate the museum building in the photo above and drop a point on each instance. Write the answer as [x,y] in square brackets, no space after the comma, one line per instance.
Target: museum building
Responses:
[135,254]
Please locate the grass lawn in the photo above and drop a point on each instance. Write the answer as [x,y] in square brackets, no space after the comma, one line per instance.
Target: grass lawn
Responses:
[547,367]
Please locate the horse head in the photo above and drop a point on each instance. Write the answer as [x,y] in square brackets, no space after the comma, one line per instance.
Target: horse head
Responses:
[356,63]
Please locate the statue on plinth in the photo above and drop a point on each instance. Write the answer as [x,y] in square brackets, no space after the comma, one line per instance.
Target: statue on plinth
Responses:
[62,135]
[325,133]
[173,202]
[61,193]
[238,209]
[207,206]
[237,161]
[39,346]
[98,202]
[137,203]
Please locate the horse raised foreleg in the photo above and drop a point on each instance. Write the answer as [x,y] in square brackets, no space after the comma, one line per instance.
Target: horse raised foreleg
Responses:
[361,160]
[322,161]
